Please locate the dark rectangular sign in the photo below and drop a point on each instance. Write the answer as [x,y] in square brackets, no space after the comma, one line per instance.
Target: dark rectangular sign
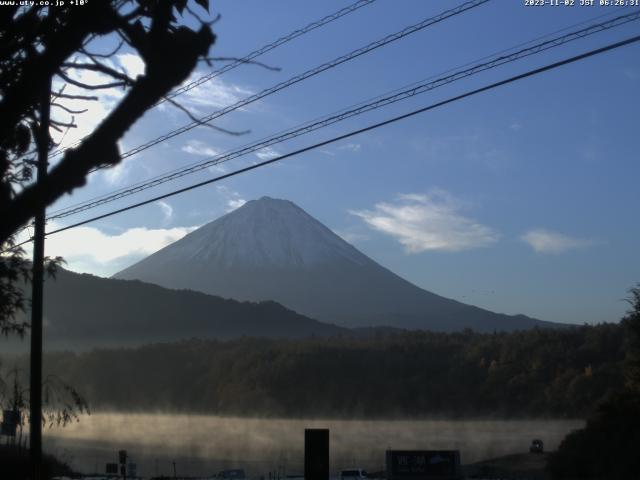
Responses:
[316,454]
[111,468]
[10,421]
[423,464]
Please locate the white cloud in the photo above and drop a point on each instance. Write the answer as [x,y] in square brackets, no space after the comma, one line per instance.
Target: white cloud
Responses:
[515,126]
[327,152]
[232,198]
[90,250]
[429,221]
[118,174]
[167,211]
[215,93]
[96,110]
[235,203]
[351,147]
[132,64]
[196,147]
[546,241]
[267,153]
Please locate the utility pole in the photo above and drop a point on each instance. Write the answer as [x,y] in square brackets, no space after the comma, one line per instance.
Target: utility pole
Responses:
[37,286]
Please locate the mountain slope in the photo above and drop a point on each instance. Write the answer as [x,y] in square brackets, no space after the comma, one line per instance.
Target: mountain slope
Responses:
[83,311]
[273,250]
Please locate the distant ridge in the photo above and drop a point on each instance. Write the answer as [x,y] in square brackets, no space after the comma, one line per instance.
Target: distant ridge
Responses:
[271,249]
[84,311]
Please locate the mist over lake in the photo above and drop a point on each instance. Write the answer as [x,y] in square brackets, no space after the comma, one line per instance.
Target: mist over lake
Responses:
[204,444]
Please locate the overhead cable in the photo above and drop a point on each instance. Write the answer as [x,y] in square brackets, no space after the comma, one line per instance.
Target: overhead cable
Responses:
[433,106]
[378,102]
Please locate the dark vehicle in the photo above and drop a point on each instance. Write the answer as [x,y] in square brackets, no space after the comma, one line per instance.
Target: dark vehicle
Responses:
[536,446]
[423,465]
[231,475]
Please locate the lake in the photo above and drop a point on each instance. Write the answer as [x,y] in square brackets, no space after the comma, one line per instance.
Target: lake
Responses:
[205,444]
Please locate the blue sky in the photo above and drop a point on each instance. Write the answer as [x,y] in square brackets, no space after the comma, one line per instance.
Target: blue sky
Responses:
[520,200]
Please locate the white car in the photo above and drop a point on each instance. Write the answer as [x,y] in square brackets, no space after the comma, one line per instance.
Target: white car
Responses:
[353,474]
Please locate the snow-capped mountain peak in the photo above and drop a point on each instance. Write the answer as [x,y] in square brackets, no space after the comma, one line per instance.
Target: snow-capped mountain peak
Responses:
[271,249]
[264,232]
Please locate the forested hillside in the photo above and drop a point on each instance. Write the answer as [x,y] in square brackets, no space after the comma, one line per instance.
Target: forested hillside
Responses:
[560,373]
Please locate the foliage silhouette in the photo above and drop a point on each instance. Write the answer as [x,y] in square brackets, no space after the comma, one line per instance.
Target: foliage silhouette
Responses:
[41,44]
[607,448]
[534,373]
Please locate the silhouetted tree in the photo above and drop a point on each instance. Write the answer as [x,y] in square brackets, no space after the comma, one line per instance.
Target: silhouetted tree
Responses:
[41,43]
[632,324]
[607,447]
[62,404]
[412,374]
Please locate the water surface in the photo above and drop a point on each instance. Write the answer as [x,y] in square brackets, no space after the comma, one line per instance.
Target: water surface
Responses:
[205,444]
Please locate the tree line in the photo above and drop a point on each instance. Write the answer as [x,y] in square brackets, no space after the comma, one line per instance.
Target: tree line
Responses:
[533,373]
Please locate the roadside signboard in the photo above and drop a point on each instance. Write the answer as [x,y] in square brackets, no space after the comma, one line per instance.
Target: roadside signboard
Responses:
[423,464]
[111,469]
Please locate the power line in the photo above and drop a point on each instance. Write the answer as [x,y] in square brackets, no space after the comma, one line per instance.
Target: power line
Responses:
[308,74]
[281,41]
[433,106]
[379,102]
[251,56]
[213,160]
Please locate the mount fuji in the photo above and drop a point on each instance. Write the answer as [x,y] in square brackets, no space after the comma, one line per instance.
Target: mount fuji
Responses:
[271,249]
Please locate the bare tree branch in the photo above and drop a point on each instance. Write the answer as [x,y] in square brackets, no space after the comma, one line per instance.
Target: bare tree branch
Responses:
[170,55]
[104,86]
[68,110]
[99,67]
[103,55]
[77,97]
[209,23]
[63,124]
[248,62]
[200,122]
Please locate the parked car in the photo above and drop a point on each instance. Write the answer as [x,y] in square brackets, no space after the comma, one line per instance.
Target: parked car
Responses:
[536,446]
[353,474]
[236,474]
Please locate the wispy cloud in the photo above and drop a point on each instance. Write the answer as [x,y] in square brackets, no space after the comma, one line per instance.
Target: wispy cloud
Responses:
[215,93]
[267,153]
[351,147]
[431,221]
[235,203]
[167,211]
[546,241]
[202,149]
[327,152]
[348,147]
[196,147]
[117,174]
[232,198]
